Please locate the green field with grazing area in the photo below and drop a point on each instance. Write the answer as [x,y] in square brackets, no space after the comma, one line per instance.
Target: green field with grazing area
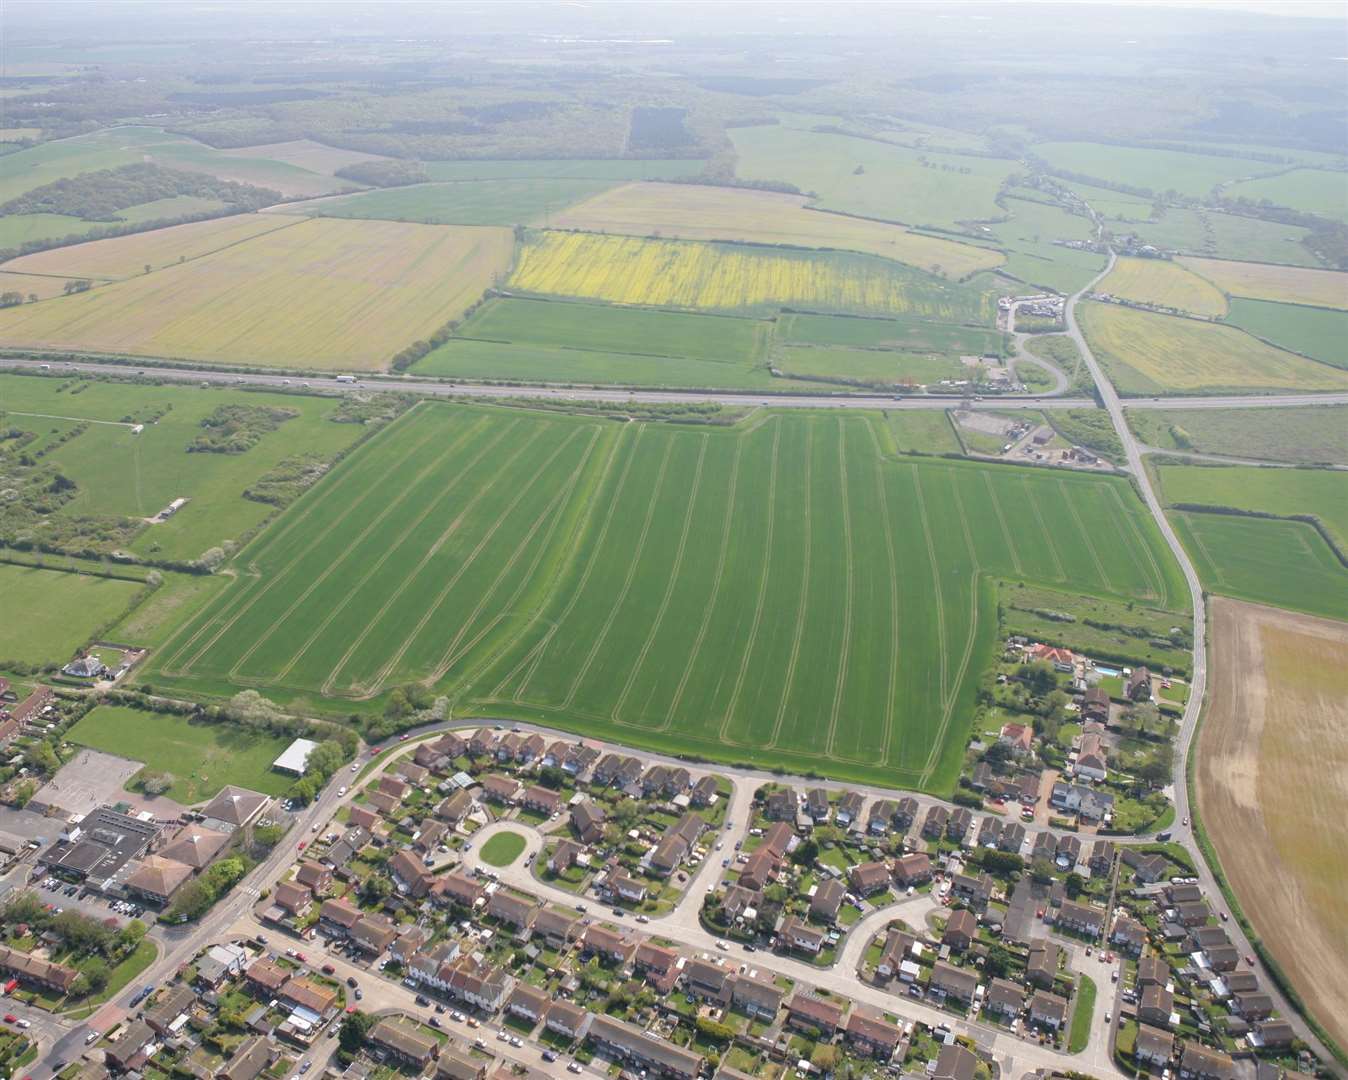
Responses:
[1316,191]
[521,201]
[1222,236]
[1144,167]
[1320,493]
[878,366]
[1283,563]
[784,591]
[119,473]
[905,334]
[202,757]
[1312,435]
[1032,254]
[871,178]
[547,341]
[48,614]
[1319,333]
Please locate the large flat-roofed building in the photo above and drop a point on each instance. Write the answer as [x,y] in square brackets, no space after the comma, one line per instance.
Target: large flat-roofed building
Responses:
[98,849]
[294,757]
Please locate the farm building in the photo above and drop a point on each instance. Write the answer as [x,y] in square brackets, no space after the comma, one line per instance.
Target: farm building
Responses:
[294,757]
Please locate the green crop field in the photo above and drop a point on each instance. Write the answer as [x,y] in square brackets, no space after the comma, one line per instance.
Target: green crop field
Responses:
[1143,167]
[16,229]
[1032,255]
[202,757]
[1223,236]
[1319,493]
[1320,333]
[465,202]
[1315,434]
[1316,191]
[48,614]
[122,474]
[920,431]
[871,178]
[1283,563]
[547,341]
[881,366]
[785,591]
[905,334]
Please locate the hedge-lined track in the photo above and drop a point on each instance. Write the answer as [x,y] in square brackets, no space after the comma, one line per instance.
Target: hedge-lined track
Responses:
[779,591]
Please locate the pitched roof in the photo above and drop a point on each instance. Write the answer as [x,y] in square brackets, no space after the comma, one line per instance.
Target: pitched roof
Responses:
[234,805]
[158,876]
[195,846]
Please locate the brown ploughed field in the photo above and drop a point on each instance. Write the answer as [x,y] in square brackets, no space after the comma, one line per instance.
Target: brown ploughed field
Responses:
[1272,778]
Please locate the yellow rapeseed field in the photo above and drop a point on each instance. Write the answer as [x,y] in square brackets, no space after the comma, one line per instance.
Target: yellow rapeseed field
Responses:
[1147,353]
[320,292]
[697,212]
[127,256]
[691,274]
[1264,281]
[1164,283]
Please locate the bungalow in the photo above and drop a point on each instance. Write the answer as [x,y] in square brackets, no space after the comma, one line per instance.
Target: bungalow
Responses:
[805,1012]
[567,1020]
[541,800]
[1081,919]
[1197,1062]
[756,996]
[404,1043]
[780,805]
[528,1002]
[1005,999]
[961,930]
[827,899]
[880,819]
[817,805]
[587,818]
[1048,1010]
[706,980]
[934,825]
[952,981]
[1138,686]
[607,944]
[869,878]
[899,944]
[1155,1005]
[800,936]
[1274,1033]
[1147,869]
[849,808]
[1255,1006]
[501,789]
[1095,705]
[1222,958]
[623,886]
[912,869]
[873,1036]
[739,902]
[1020,737]
[1042,962]
[630,1046]
[1153,1046]
[1090,761]
[307,994]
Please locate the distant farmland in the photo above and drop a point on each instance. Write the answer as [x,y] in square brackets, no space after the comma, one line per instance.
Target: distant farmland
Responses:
[1164,283]
[730,277]
[780,592]
[310,292]
[1263,281]
[695,212]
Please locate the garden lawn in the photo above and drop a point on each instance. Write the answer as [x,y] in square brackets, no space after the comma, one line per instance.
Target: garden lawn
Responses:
[202,757]
[502,849]
[1081,1015]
